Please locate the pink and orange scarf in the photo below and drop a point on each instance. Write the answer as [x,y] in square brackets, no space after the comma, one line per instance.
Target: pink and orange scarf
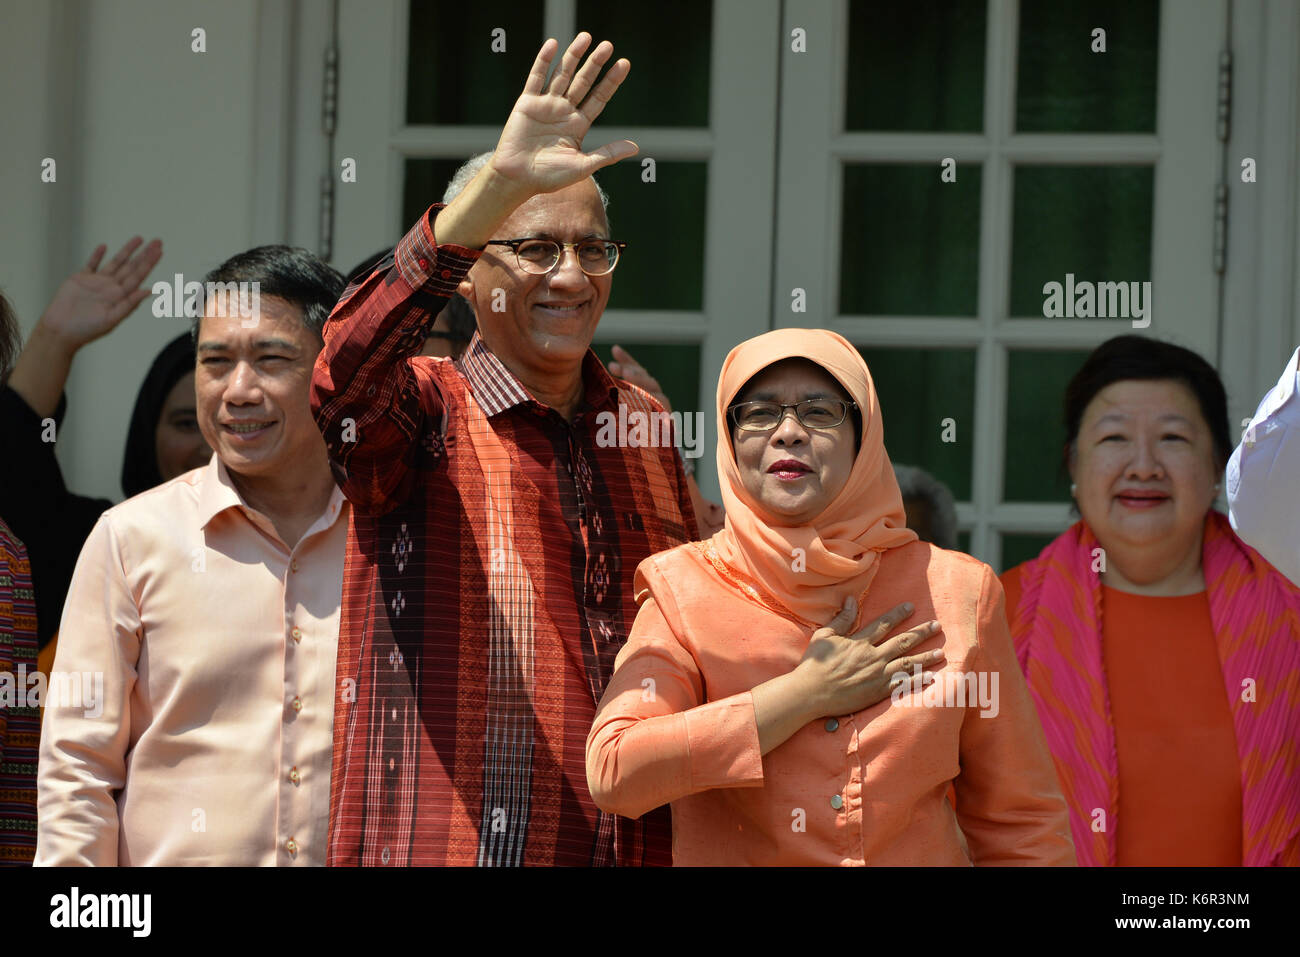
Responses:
[1255,616]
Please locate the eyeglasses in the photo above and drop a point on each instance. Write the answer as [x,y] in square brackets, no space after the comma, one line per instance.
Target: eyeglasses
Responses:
[596,257]
[810,413]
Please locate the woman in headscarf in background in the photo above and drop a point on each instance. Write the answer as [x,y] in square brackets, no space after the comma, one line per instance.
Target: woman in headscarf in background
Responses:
[752,698]
[163,440]
[1162,651]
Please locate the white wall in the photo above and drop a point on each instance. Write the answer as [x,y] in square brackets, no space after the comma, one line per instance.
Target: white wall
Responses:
[220,151]
[150,138]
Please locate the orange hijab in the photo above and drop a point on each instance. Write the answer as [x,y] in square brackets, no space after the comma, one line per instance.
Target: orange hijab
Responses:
[837,555]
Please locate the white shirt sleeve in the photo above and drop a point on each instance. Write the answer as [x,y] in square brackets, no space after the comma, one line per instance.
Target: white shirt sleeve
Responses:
[1263,476]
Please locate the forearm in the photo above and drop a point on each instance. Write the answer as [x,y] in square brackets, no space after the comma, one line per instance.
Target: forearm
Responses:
[782,706]
[42,370]
[472,218]
[636,763]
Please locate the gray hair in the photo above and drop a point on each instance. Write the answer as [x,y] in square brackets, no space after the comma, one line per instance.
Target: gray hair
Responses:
[918,483]
[471,168]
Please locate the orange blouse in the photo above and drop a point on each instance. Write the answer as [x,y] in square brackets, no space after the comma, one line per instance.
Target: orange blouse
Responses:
[1179,772]
[677,725]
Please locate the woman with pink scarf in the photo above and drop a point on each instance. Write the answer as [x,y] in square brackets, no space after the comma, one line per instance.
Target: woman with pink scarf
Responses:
[1162,652]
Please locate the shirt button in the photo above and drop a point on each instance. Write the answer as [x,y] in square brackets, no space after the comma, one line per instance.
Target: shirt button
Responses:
[293,565]
[291,846]
[294,776]
[424,263]
[296,703]
[837,802]
[832,724]
[446,274]
[297,634]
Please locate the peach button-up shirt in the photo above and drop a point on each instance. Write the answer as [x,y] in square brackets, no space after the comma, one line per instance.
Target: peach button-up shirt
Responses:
[677,725]
[208,741]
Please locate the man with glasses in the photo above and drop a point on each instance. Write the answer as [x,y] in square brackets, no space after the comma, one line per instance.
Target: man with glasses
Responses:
[490,558]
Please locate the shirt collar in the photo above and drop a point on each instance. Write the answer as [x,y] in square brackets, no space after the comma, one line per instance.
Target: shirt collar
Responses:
[497,388]
[218,493]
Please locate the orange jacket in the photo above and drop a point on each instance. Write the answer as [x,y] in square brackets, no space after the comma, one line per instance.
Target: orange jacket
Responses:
[677,725]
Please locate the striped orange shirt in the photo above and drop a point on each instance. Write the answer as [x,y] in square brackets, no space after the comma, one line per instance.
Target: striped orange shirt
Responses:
[487,590]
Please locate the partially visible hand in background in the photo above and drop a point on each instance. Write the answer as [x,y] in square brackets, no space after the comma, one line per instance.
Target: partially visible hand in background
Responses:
[92,301]
[88,304]
[709,516]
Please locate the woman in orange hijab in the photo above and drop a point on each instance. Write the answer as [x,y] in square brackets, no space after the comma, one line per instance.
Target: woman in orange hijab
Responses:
[750,696]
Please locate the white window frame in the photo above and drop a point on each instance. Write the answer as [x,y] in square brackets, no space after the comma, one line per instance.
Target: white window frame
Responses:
[1185,287]
[739,225]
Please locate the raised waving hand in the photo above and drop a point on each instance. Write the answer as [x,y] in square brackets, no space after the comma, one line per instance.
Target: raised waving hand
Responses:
[540,149]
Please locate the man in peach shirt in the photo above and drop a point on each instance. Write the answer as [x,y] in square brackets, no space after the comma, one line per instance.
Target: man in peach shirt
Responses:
[201,625]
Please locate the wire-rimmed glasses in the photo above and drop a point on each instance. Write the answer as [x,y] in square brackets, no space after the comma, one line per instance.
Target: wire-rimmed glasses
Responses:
[820,413]
[596,257]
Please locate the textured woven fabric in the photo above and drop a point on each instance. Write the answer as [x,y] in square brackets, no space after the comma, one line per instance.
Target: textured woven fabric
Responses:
[488,586]
[20,722]
[1255,614]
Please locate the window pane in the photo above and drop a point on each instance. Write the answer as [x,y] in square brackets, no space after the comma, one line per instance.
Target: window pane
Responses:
[916,66]
[675,365]
[669,51]
[1062,86]
[663,225]
[1035,433]
[918,389]
[963,542]
[422,185]
[1093,222]
[909,242]
[452,73]
[1021,548]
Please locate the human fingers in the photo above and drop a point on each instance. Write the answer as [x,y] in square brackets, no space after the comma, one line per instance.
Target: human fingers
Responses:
[596,100]
[537,75]
[122,255]
[842,620]
[895,648]
[559,85]
[127,305]
[141,264]
[882,626]
[93,262]
[586,76]
[622,355]
[609,154]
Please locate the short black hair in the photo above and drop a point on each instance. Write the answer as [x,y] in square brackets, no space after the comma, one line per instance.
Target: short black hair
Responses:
[11,338]
[1137,357]
[295,275]
[461,321]
[362,270]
